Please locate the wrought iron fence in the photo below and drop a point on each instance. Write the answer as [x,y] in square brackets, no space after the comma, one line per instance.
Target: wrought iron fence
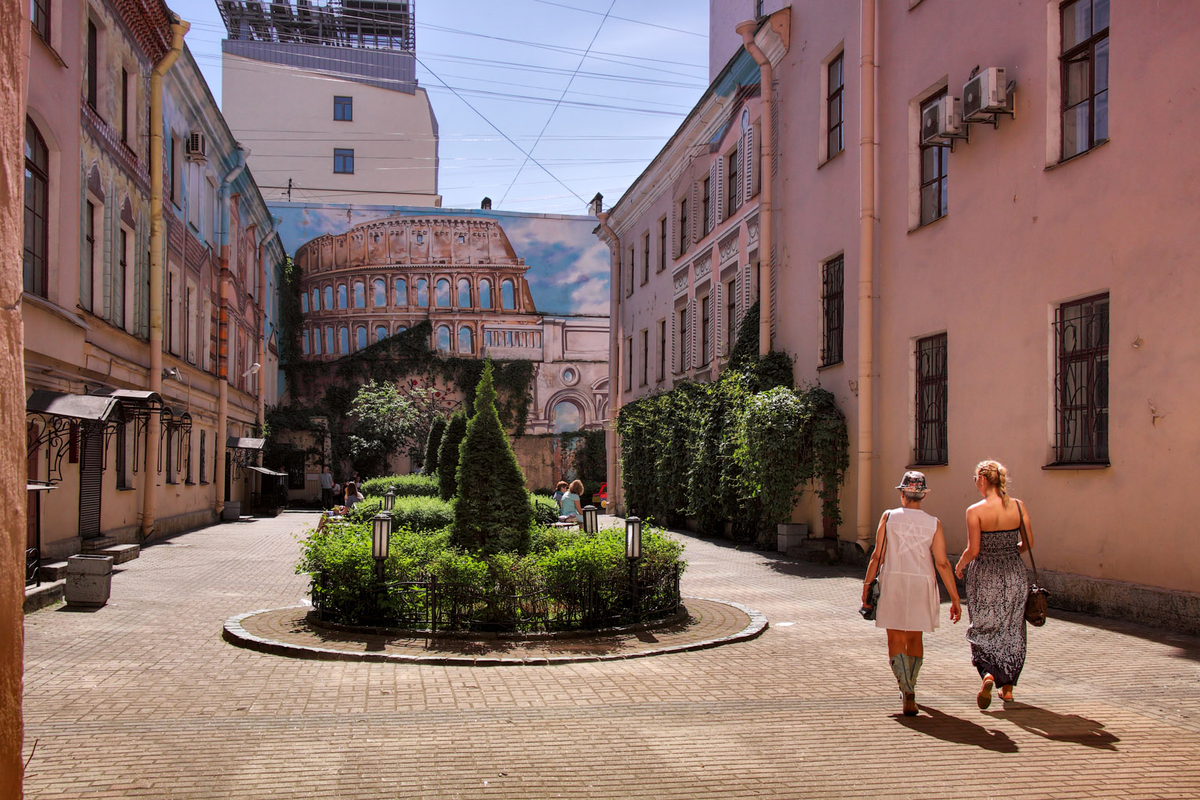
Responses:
[516,606]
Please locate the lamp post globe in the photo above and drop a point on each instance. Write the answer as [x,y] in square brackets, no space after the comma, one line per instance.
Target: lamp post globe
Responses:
[389,498]
[633,538]
[590,519]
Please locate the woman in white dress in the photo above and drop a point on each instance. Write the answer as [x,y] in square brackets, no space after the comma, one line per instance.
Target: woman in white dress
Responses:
[911,544]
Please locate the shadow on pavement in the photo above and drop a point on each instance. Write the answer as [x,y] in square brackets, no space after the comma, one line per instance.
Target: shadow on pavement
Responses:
[1057,727]
[960,731]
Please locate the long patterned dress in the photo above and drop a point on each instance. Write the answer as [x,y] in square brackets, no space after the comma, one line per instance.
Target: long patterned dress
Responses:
[996,590]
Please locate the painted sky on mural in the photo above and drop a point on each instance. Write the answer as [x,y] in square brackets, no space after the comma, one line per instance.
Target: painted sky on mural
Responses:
[568,265]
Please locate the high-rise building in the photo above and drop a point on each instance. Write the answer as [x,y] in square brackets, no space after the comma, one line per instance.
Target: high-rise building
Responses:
[325,97]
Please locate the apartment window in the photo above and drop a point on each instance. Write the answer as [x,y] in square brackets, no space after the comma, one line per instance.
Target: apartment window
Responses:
[1081,383]
[1084,75]
[203,465]
[662,244]
[118,281]
[170,437]
[645,357]
[90,251]
[175,170]
[833,307]
[93,63]
[706,329]
[122,464]
[706,194]
[37,211]
[343,109]
[683,340]
[39,15]
[629,282]
[646,257]
[931,400]
[628,363]
[343,161]
[124,105]
[662,349]
[933,174]
[685,230]
[730,314]
[834,106]
[732,184]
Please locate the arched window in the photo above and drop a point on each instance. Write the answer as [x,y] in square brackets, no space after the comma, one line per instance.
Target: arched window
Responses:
[316,299]
[380,333]
[380,292]
[341,295]
[442,293]
[422,293]
[304,303]
[466,343]
[485,293]
[400,329]
[305,342]
[329,298]
[316,341]
[566,416]
[344,340]
[360,295]
[507,299]
[37,211]
[401,291]
[443,339]
[360,333]
[464,293]
[329,348]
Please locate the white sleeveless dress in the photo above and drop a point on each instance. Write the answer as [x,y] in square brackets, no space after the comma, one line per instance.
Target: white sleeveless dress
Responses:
[908,599]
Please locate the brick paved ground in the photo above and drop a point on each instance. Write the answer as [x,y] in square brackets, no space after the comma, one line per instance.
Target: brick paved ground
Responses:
[143,698]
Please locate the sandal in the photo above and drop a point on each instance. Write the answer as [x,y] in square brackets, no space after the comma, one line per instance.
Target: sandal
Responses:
[1006,693]
[984,698]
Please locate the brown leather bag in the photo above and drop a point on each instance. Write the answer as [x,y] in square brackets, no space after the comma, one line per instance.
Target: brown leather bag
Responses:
[1038,600]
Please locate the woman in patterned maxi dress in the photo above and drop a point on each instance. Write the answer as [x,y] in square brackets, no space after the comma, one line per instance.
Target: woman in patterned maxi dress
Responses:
[911,545]
[996,583]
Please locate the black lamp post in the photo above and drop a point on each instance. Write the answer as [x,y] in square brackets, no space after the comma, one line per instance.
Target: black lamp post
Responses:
[591,523]
[381,534]
[389,498]
[633,552]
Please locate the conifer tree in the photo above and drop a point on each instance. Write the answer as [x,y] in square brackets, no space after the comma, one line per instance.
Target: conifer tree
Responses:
[448,454]
[492,513]
[433,443]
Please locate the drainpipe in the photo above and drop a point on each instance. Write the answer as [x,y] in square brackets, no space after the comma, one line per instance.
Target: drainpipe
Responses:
[179,29]
[615,493]
[866,272]
[262,319]
[226,292]
[746,28]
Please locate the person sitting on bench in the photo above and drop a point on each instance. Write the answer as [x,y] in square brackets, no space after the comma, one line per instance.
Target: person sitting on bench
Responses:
[568,507]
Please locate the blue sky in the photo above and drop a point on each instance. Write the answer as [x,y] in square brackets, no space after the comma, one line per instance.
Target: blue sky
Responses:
[645,67]
[568,266]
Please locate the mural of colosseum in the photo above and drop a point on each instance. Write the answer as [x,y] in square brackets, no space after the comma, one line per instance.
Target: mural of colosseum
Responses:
[382,276]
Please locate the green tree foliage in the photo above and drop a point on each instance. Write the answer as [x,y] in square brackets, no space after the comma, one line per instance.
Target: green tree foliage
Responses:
[436,430]
[493,513]
[448,451]
[384,421]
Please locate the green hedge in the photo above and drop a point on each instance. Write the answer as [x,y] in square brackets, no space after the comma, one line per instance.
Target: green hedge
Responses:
[545,510]
[405,485]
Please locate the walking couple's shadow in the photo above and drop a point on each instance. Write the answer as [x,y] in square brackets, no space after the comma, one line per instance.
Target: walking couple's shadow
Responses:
[1057,727]
[948,728]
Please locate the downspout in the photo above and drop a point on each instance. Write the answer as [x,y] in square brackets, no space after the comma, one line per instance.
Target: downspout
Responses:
[262,320]
[866,273]
[226,289]
[179,29]
[766,79]
[615,493]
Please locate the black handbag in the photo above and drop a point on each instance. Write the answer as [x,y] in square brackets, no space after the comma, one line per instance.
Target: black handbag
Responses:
[874,590]
[1038,600]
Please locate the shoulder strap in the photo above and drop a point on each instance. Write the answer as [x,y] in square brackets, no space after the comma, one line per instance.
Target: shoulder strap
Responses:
[1025,538]
[883,552]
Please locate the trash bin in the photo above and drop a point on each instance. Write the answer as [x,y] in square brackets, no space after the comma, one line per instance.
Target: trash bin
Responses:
[232,511]
[89,580]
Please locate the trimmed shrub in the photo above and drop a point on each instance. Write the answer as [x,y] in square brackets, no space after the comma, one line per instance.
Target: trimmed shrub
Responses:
[423,513]
[405,486]
[493,513]
[433,444]
[448,452]
[545,510]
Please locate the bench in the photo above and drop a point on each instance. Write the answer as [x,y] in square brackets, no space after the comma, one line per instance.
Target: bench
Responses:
[565,525]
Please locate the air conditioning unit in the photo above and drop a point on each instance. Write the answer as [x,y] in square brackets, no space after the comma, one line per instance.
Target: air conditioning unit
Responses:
[196,147]
[941,121]
[985,94]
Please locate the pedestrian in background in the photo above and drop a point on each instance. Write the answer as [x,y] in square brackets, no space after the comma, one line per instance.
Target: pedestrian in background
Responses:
[353,496]
[909,546]
[997,585]
[559,491]
[568,507]
[326,489]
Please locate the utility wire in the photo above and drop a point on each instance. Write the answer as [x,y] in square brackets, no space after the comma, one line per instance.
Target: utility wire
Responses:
[566,89]
[623,19]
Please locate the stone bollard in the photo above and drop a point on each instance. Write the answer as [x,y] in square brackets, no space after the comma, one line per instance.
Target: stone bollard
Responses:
[89,580]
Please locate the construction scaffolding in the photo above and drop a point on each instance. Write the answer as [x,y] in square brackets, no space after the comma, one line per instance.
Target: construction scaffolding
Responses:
[370,24]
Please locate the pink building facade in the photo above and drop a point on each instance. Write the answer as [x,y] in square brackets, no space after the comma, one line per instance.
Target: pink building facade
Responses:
[1023,295]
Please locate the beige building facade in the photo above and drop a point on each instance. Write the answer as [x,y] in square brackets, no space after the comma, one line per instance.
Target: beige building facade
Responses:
[327,103]
[1014,285]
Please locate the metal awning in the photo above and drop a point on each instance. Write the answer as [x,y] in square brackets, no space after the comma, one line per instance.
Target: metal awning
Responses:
[266,471]
[39,486]
[245,443]
[132,397]
[71,406]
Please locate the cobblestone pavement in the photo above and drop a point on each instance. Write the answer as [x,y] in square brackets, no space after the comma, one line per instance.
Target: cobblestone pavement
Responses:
[143,698]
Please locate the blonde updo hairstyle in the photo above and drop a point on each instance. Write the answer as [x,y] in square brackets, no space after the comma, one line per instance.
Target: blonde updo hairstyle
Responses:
[996,475]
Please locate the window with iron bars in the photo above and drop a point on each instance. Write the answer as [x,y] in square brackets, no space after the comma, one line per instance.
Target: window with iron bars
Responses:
[1081,381]
[931,400]
[833,308]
